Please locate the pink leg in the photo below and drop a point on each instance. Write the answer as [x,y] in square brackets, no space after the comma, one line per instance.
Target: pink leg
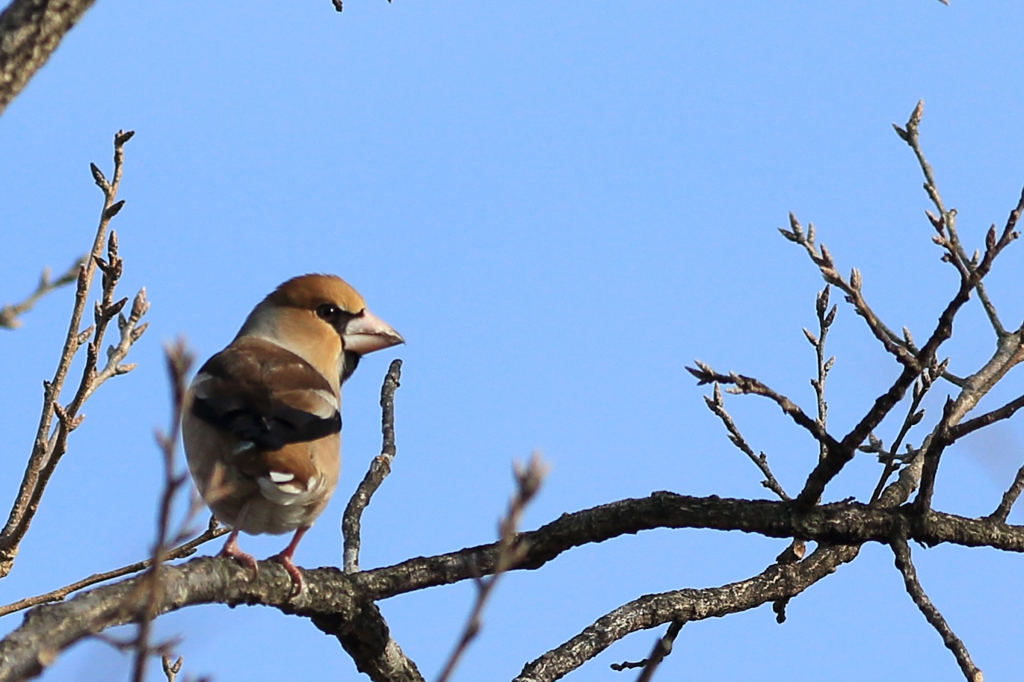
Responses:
[231,549]
[231,546]
[285,559]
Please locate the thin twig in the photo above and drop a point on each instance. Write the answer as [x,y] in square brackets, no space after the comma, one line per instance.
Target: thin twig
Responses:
[747,385]
[512,551]
[901,550]
[945,223]
[171,670]
[10,313]
[181,551]
[914,416]
[380,467]
[48,448]
[1009,498]
[716,405]
[179,362]
[825,318]
[820,256]
[979,422]
[662,648]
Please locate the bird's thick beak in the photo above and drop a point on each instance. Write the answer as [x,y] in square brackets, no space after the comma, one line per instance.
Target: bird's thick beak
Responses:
[367,333]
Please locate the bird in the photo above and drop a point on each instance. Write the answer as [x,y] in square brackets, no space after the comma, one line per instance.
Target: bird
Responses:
[261,423]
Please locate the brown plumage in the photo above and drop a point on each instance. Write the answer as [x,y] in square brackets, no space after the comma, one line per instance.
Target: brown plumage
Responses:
[263,417]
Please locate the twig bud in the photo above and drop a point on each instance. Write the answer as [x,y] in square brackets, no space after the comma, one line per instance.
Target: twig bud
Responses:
[830,318]
[97,176]
[855,279]
[113,210]
[826,258]
[907,337]
[821,301]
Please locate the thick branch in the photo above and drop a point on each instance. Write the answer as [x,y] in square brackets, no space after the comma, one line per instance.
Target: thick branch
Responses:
[30,31]
[367,639]
[779,581]
[51,628]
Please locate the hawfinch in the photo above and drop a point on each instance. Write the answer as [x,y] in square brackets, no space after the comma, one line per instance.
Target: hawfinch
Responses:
[262,419]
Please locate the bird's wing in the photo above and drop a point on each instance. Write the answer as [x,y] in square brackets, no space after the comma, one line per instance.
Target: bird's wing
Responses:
[265,395]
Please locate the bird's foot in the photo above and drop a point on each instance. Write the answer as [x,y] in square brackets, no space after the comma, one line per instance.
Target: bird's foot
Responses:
[285,559]
[231,549]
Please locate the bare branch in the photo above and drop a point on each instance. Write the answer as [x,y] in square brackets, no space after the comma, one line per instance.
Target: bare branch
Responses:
[972,425]
[10,313]
[512,550]
[825,318]
[716,405]
[913,417]
[53,627]
[662,648]
[186,549]
[777,582]
[970,275]
[747,385]
[48,448]
[179,362]
[1009,498]
[30,31]
[945,223]
[891,341]
[906,567]
[380,467]
[367,638]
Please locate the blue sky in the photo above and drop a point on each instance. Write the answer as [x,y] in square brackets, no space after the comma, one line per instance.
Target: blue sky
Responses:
[559,205]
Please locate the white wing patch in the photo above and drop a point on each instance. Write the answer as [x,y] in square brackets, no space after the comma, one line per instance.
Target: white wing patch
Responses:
[281,487]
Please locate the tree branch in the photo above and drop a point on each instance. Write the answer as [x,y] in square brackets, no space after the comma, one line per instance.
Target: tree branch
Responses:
[186,549]
[367,638]
[48,448]
[380,467]
[716,405]
[50,628]
[10,313]
[30,31]
[778,581]
[901,551]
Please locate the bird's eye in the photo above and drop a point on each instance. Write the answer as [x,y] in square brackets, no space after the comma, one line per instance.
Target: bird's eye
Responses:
[328,312]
